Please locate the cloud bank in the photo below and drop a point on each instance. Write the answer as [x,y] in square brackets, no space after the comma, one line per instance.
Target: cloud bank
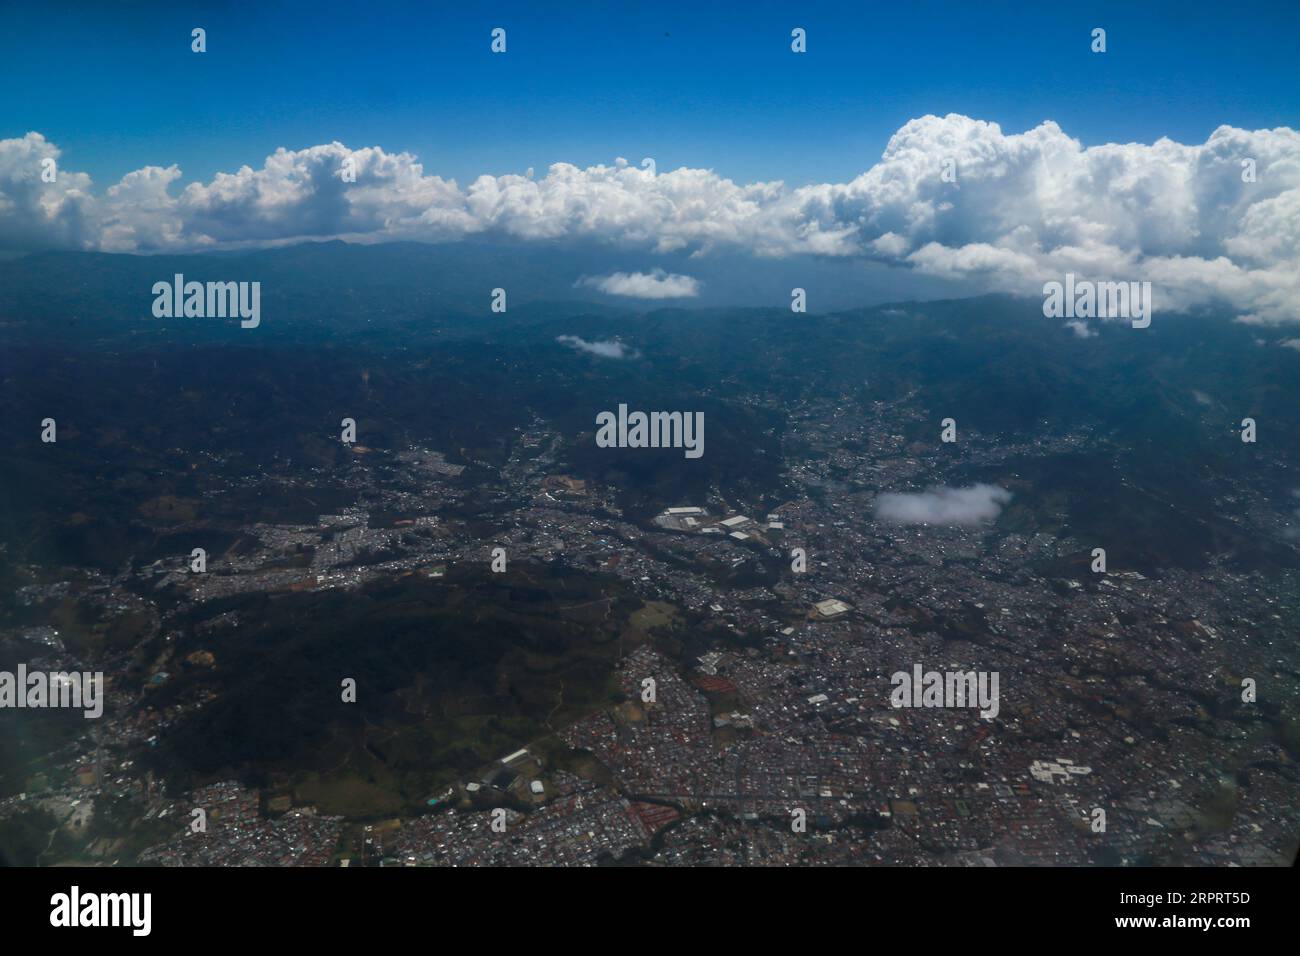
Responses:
[943,506]
[1024,208]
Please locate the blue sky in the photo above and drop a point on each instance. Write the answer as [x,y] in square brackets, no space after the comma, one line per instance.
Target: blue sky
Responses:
[116,86]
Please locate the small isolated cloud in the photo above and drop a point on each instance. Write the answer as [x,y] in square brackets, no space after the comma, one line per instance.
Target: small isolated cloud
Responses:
[656,284]
[1292,533]
[1290,344]
[611,349]
[943,506]
[1081,329]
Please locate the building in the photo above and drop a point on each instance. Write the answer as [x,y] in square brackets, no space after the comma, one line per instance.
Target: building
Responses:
[831,607]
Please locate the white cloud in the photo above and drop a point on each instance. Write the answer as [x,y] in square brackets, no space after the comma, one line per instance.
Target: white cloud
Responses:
[35,214]
[1081,329]
[1290,344]
[612,349]
[656,284]
[1026,207]
[1292,532]
[943,506]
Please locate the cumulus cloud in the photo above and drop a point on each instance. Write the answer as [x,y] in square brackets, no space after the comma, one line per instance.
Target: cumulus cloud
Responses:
[1025,208]
[943,506]
[1081,329]
[612,349]
[657,284]
[34,213]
